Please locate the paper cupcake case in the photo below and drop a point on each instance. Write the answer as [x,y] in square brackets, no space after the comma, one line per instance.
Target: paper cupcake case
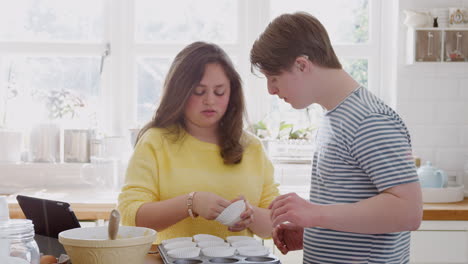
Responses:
[268,258]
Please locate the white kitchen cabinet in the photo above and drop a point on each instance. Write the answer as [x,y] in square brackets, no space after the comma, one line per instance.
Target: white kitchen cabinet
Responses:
[293,177]
[442,45]
[441,242]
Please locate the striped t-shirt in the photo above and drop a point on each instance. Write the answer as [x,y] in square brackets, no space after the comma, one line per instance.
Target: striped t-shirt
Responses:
[363,148]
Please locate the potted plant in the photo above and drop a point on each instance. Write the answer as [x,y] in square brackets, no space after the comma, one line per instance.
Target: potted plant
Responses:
[45,136]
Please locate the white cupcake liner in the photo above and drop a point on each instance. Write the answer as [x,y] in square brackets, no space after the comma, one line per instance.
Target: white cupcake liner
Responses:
[180,244]
[188,252]
[219,252]
[255,251]
[177,239]
[212,243]
[231,214]
[246,243]
[231,239]
[206,237]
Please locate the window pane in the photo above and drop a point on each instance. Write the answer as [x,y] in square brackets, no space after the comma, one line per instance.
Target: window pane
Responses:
[285,122]
[151,73]
[47,88]
[52,20]
[280,111]
[184,21]
[357,68]
[347,21]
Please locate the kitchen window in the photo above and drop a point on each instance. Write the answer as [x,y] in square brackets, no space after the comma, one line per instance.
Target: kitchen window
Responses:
[104,61]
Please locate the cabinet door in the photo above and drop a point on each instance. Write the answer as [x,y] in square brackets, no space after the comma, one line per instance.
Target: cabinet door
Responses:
[439,247]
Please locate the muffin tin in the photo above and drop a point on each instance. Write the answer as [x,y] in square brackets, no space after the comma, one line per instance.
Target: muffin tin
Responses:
[269,259]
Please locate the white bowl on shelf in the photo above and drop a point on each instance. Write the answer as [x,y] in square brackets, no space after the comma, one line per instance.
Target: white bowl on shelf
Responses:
[450,194]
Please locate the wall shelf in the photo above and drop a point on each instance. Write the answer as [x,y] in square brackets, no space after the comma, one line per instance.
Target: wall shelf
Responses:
[437,45]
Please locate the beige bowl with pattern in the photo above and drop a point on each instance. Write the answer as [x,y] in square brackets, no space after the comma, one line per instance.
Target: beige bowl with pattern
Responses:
[90,245]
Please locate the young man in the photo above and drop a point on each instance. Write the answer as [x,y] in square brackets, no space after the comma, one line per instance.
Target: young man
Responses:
[365,195]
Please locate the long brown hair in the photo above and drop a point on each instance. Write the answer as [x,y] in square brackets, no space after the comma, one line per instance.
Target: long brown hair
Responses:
[184,75]
[288,37]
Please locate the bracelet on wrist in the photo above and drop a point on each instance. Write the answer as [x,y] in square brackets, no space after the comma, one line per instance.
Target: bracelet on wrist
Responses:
[190,205]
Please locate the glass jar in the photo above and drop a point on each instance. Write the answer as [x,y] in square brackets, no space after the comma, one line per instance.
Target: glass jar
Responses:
[17,241]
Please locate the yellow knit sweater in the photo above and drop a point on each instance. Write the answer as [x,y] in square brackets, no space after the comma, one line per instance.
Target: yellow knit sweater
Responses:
[162,169]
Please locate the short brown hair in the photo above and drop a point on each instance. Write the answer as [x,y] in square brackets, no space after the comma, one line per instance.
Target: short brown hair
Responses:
[184,75]
[288,37]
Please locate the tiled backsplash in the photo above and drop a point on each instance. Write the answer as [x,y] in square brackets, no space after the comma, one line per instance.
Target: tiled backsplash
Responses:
[432,99]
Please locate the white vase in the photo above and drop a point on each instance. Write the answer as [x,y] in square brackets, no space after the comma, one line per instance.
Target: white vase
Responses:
[45,143]
[11,142]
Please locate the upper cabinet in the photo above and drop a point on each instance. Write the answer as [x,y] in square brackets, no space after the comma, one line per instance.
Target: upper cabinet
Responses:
[439,35]
[437,45]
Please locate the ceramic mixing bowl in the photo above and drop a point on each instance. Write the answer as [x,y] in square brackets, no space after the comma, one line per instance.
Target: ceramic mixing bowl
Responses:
[90,245]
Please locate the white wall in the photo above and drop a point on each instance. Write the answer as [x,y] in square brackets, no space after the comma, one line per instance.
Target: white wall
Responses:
[433,100]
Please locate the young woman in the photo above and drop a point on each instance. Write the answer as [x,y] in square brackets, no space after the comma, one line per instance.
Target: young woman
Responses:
[193,159]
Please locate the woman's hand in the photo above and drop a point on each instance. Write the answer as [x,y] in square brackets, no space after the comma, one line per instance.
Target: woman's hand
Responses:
[247,217]
[209,205]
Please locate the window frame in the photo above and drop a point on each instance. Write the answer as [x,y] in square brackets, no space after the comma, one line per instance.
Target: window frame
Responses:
[119,85]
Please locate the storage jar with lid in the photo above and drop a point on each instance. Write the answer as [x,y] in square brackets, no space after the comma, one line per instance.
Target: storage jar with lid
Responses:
[17,244]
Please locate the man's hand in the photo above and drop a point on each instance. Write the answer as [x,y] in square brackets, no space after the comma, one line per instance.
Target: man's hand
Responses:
[292,208]
[288,237]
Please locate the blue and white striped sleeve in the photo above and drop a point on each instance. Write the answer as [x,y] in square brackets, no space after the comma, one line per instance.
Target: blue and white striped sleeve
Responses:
[382,148]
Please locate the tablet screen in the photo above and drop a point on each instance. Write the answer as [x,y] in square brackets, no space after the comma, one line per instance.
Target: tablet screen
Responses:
[49,217]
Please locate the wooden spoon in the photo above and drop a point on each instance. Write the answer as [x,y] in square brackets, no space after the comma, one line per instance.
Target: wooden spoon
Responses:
[113,227]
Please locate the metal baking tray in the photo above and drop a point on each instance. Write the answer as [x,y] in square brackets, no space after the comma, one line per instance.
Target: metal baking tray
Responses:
[270,259]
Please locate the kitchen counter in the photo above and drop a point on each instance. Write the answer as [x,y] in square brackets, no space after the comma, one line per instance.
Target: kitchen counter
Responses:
[89,205]
[446,211]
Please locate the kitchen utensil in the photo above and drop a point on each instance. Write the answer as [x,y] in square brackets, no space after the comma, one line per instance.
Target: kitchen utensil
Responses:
[44,144]
[204,259]
[430,47]
[76,146]
[113,228]
[91,245]
[11,142]
[457,55]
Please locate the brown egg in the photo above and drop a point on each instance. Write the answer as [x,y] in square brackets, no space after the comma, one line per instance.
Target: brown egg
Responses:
[48,259]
